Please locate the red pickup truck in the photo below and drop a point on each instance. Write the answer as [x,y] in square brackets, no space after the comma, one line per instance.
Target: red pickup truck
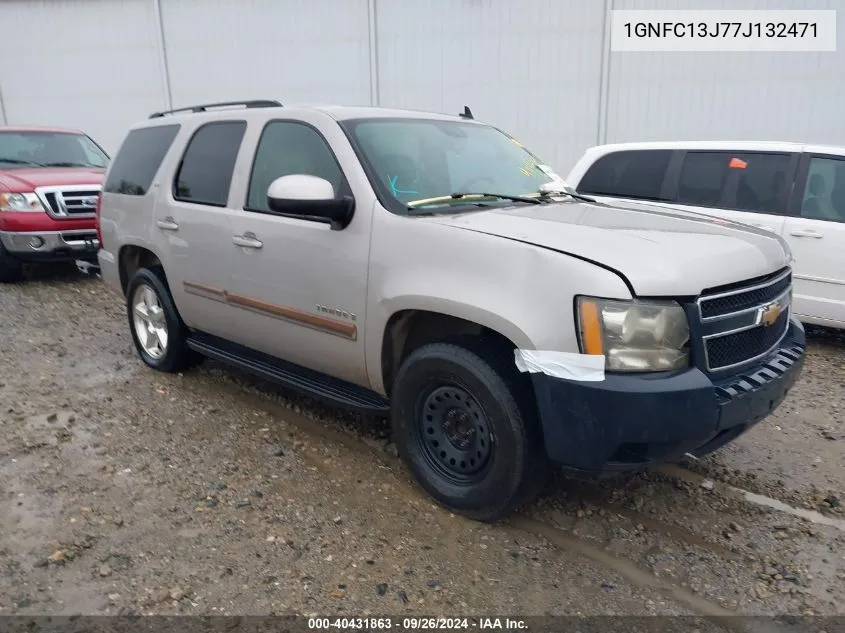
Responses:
[50,181]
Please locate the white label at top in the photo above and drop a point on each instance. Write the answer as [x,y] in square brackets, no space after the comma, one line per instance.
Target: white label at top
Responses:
[723,30]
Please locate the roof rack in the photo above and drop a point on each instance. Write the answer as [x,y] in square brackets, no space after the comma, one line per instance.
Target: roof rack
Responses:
[255,103]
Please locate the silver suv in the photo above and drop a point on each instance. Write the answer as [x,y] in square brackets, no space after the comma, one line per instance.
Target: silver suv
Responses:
[431,269]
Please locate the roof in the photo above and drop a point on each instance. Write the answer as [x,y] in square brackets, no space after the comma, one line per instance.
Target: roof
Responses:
[37,128]
[735,145]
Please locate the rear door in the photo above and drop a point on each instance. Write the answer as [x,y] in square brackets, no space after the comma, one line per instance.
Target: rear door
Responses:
[192,222]
[815,231]
[748,187]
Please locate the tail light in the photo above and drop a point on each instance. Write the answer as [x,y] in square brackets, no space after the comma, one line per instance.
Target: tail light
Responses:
[97,220]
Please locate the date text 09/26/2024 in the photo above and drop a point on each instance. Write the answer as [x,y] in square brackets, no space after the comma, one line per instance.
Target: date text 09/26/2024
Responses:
[415,624]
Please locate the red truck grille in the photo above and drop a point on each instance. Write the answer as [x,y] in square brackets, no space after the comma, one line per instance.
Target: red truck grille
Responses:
[78,201]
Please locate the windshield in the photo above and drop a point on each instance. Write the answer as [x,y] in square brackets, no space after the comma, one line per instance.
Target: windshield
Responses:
[49,149]
[414,160]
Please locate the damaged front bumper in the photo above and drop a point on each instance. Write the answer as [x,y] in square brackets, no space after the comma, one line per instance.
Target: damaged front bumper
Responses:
[621,422]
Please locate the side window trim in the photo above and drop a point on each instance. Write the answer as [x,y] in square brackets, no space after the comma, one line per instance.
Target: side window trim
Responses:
[732,182]
[178,169]
[796,199]
[343,189]
[673,176]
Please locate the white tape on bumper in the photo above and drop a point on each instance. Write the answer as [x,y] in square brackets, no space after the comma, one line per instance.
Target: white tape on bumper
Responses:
[585,367]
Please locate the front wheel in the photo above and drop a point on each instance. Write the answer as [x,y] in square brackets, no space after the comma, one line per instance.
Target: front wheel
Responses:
[466,429]
[11,269]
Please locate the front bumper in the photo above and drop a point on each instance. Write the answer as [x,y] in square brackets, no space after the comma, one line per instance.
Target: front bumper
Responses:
[627,422]
[41,246]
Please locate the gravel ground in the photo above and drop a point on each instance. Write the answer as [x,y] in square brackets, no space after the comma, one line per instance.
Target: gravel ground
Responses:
[129,491]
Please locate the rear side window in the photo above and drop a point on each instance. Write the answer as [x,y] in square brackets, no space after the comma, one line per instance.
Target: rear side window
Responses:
[138,160]
[703,177]
[628,174]
[205,173]
[762,182]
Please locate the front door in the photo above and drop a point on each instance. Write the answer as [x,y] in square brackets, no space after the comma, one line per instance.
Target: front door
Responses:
[815,232]
[301,287]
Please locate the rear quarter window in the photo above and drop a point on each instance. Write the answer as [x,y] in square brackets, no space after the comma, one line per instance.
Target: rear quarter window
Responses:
[138,159]
[635,174]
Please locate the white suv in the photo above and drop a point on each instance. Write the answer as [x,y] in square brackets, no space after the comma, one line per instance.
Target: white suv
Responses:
[796,191]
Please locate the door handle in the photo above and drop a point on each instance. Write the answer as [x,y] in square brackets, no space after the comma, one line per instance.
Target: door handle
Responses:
[247,240]
[167,224]
[807,233]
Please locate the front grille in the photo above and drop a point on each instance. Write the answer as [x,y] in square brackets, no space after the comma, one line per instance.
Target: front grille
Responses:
[747,299]
[733,349]
[736,320]
[71,201]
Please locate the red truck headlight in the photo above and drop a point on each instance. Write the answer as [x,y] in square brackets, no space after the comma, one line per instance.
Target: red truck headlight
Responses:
[17,202]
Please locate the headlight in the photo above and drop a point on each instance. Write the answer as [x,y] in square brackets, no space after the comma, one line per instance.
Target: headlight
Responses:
[634,335]
[20,202]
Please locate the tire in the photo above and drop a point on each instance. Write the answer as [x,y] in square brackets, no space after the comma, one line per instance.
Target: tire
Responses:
[482,473]
[149,286]
[11,269]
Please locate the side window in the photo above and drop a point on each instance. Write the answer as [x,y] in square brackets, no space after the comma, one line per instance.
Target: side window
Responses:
[138,160]
[287,148]
[205,174]
[761,183]
[824,193]
[703,177]
[628,174]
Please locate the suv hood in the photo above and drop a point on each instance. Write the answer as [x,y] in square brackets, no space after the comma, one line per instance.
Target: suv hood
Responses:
[661,251]
[27,179]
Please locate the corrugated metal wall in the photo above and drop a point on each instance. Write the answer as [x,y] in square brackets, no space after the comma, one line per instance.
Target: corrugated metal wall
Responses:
[542,69]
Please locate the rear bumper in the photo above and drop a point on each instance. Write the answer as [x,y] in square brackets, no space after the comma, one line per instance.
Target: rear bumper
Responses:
[41,246]
[627,422]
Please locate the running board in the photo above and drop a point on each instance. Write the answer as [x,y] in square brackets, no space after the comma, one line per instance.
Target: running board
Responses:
[305,381]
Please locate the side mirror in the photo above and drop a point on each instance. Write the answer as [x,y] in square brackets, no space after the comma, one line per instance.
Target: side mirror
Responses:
[310,196]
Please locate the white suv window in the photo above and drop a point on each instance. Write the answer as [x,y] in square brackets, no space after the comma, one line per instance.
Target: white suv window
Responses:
[824,193]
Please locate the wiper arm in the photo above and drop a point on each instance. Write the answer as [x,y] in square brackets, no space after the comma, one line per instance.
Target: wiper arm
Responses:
[416,204]
[17,161]
[551,189]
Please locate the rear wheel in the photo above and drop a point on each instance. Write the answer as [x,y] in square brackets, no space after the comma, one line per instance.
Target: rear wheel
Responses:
[465,425]
[158,332]
[11,269]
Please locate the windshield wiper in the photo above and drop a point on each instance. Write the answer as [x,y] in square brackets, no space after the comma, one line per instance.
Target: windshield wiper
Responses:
[418,204]
[68,164]
[17,161]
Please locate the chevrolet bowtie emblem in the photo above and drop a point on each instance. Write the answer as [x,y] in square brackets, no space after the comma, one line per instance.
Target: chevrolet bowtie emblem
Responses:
[769,314]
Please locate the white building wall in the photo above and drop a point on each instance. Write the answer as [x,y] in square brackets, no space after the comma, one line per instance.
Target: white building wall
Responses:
[711,96]
[88,64]
[541,69]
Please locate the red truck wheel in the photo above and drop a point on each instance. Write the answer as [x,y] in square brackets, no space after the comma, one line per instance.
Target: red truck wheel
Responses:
[11,269]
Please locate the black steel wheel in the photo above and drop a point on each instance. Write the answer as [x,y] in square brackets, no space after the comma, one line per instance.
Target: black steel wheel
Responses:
[455,434]
[465,425]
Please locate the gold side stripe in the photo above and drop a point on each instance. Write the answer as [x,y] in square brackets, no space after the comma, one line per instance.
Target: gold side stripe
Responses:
[298,317]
